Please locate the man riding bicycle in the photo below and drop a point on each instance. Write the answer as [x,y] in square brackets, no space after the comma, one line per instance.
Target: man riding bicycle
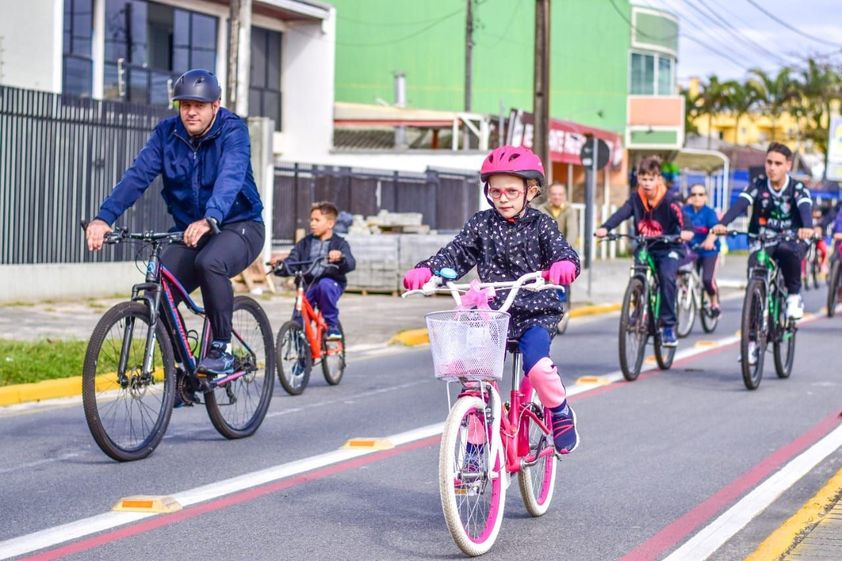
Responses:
[779,204]
[204,157]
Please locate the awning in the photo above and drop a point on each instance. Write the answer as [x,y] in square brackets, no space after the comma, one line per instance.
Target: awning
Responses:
[707,161]
[362,114]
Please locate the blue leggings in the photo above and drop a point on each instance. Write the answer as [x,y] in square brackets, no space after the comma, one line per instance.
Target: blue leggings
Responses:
[534,344]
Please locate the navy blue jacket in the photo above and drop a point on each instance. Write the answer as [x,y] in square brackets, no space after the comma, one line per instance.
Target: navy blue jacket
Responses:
[211,179]
[301,252]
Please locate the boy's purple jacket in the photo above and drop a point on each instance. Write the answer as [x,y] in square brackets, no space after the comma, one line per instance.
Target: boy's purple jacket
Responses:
[504,251]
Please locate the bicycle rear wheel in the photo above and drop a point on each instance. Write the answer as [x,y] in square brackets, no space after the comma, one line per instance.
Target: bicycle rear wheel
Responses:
[237,408]
[471,486]
[685,306]
[293,356]
[333,357]
[127,410]
[709,321]
[633,329]
[835,284]
[753,334]
[537,482]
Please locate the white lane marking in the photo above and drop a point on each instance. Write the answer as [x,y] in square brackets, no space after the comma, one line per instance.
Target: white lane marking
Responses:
[712,537]
[81,528]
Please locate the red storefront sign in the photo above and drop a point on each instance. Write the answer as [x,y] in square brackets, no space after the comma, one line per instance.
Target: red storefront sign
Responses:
[566,138]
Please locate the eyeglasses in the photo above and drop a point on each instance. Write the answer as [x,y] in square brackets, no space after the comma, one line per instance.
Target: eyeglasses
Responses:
[510,193]
[698,194]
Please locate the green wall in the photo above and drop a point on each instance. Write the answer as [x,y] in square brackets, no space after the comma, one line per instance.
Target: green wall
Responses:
[426,40]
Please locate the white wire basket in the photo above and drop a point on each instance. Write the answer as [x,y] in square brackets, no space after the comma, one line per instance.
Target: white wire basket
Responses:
[468,344]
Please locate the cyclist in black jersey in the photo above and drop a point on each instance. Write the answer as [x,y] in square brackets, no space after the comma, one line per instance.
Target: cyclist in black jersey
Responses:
[779,204]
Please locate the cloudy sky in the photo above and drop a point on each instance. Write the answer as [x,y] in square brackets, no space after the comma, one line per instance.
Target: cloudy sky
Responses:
[726,37]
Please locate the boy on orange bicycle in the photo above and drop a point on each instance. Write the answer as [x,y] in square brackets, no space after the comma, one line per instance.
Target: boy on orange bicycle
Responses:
[326,283]
[505,242]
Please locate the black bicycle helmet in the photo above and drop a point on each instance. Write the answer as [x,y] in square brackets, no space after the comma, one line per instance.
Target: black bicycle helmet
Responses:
[197,85]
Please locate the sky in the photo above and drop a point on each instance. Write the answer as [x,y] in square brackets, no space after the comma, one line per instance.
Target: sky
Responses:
[743,37]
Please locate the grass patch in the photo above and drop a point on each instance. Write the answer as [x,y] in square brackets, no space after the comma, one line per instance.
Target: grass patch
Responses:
[23,362]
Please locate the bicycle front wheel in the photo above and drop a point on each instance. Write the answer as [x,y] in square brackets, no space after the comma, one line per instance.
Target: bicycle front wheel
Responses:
[633,329]
[333,357]
[709,321]
[685,306]
[127,409]
[537,482]
[237,408]
[783,346]
[292,353]
[471,486]
[663,355]
[753,334]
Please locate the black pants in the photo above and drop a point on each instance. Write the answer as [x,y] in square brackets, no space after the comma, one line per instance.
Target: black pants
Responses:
[211,266]
[788,255]
[667,262]
[707,264]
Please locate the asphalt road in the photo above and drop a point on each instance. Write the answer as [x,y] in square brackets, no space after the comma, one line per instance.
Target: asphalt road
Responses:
[660,459]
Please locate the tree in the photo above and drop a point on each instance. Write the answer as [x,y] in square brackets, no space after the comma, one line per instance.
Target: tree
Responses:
[777,93]
[820,86]
[739,99]
[710,101]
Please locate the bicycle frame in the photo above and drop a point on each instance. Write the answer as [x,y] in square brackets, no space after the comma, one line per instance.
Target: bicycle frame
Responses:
[650,273]
[768,271]
[313,320]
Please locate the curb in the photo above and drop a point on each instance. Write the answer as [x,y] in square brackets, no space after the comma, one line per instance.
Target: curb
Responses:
[48,389]
[419,337]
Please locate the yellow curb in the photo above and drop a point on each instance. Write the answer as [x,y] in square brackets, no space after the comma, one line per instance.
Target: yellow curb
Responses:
[594,310]
[411,338]
[53,389]
[786,537]
[147,503]
[705,344]
[371,443]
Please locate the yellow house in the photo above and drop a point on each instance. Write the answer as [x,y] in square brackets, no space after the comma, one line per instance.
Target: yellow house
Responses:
[754,128]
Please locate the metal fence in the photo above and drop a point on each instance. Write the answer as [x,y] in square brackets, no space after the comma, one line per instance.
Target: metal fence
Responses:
[445,199]
[59,157]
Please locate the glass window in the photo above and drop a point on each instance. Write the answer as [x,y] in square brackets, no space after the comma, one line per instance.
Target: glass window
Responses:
[643,74]
[665,81]
[181,42]
[77,68]
[203,42]
[159,30]
[265,80]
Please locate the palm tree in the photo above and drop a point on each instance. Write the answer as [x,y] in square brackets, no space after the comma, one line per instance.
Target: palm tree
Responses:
[777,94]
[821,85]
[710,101]
[739,99]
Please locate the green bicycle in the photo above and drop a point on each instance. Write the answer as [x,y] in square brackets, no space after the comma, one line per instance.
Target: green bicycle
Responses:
[763,317]
[641,310]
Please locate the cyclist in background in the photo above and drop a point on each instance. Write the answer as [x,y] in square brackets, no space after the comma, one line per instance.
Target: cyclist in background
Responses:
[326,284]
[505,242]
[204,156]
[656,213]
[779,204]
[705,245]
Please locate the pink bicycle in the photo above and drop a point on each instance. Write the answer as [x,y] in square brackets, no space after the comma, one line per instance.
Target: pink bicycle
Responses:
[486,441]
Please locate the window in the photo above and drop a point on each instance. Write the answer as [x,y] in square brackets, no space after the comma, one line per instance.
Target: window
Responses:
[148,45]
[652,74]
[77,68]
[265,81]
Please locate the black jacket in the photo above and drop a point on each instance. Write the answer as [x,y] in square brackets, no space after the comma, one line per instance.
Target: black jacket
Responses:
[666,218]
[301,252]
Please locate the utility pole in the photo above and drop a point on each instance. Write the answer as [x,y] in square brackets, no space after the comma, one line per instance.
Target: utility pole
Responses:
[239,56]
[469,64]
[541,94]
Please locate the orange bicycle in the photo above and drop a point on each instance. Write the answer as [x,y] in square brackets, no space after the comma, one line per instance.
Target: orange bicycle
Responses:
[302,341]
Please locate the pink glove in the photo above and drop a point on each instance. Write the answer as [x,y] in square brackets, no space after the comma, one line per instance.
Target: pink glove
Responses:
[416,278]
[561,272]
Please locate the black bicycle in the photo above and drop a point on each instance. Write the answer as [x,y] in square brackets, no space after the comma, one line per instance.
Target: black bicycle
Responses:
[764,318]
[141,355]
[641,310]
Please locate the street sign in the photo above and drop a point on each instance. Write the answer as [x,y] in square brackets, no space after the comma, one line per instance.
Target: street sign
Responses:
[603,152]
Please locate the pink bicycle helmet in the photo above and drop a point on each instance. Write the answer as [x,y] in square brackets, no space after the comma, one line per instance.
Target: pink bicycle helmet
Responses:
[513,160]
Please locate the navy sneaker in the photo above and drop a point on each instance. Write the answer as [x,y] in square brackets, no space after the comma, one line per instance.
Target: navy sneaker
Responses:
[218,361]
[668,338]
[565,435]
[333,334]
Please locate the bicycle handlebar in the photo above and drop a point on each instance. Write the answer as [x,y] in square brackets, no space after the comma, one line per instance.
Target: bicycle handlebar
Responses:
[286,264]
[611,236]
[530,281]
[119,235]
